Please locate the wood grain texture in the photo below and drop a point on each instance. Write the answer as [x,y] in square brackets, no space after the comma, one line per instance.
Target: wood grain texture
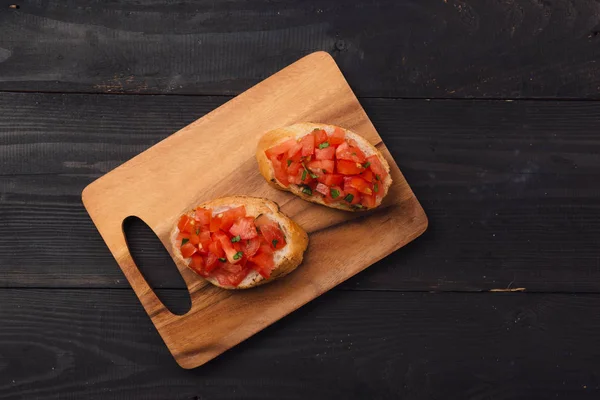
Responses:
[509,188]
[99,344]
[219,152]
[408,48]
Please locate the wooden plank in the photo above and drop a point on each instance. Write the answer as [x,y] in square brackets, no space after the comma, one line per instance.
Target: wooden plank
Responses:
[524,171]
[99,344]
[409,48]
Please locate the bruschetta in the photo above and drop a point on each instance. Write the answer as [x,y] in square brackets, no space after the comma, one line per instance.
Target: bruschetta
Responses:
[325,164]
[238,242]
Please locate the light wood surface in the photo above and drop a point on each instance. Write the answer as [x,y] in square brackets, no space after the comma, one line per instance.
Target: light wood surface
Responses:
[214,157]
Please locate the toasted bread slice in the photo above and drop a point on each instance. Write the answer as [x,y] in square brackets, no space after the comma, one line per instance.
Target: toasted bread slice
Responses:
[300,130]
[286,259]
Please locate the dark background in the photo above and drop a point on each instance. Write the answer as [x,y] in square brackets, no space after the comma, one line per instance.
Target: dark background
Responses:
[488,107]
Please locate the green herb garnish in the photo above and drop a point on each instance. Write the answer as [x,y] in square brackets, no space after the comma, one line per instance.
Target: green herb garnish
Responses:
[238,255]
[303,175]
[357,206]
[366,165]
[235,239]
[275,241]
[306,190]
[289,162]
[222,259]
[324,171]
[184,241]
[197,231]
[377,177]
[353,153]
[324,145]
[334,193]
[375,187]
[349,197]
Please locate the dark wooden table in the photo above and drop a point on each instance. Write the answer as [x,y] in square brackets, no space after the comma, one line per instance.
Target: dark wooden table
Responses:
[489,108]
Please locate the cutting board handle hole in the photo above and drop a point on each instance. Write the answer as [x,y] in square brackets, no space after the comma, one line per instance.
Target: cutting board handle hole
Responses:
[156,265]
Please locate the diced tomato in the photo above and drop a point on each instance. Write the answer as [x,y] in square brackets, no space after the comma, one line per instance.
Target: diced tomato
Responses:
[237,278]
[215,223]
[216,248]
[308,145]
[232,268]
[322,188]
[337,137]
[320,136]
[273,235]
[197,264]
[351,153]
[205,240]
[183,221]
[368,201]
[367,175]
[377,167]
[262,220]
[349,167]
[351,195]
[338,192]
[212,262]
[331,179]
[231,215]
[188,249]
[250,246]
[280,148]
[182,235]
[279,171]
[322,166]
[228,248]
[264,263]
[294,150]
[194,239]
[328,153]
[359,184]
[293,168]
[244,227]
[203,216]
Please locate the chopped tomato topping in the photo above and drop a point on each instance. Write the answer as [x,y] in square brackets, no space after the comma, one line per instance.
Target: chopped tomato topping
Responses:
[203,216]
[188,249]
[349,167]
[231,215]
[322,164]
[250,246]
[244,228]
[183,222]
[280,148]
[197,264]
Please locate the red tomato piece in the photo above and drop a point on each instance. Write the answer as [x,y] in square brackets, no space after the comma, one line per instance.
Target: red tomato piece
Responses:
[212,262]
[337,137]
[205,240]
[232,215]
[293,168]
[230,251]
[331,179]
[377,167]
[188,249]
[322,166]
[367,175]
[273,235]
[194,239]
[264,263]
[346,167]
[322,188]
[328,153]
[359,184]
[280,148]
[308,145]
[203,216]
[182,235]
[244,227]
[320,136]
[216,248]
[183,221]
[368,201]
[263,220]
[215,224]
[337,192]
[351,195]
[250,246]
[295,150]
[347,152]
[197,265]
[278,169]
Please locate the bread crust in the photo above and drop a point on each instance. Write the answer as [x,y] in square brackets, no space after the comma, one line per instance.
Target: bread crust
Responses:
[299,130]
[286,259]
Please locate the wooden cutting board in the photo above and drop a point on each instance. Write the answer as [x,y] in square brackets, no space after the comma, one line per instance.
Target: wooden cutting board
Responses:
[214,157]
